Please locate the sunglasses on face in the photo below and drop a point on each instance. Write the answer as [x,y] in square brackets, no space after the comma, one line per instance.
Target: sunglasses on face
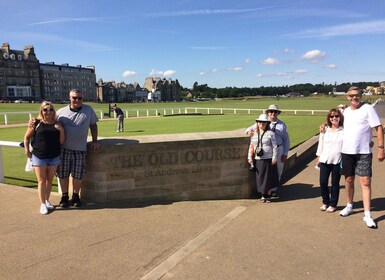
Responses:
[47,109]
[273,112]
[354,95]
[334,116]
[76,98]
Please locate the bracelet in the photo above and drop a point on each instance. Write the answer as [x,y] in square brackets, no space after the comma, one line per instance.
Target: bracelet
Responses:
[381,147]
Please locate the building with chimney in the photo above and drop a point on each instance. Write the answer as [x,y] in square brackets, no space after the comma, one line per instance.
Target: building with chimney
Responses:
[19,74]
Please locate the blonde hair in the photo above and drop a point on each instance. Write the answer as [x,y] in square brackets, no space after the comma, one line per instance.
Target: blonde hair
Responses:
[44,104]
[354,88]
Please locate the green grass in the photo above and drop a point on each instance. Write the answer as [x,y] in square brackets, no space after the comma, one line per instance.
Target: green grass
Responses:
[301,127]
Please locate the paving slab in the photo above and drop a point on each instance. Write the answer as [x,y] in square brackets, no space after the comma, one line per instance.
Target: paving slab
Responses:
[217,239]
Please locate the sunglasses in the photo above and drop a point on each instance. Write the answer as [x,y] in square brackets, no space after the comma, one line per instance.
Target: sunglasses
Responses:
[354,95]
[273,112]
[47,109]
[334,116]
[76,98]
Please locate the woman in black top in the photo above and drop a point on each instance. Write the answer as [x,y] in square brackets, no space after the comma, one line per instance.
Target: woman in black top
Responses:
[46,138]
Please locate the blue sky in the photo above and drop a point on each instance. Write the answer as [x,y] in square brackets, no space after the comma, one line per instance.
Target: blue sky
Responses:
[220,43]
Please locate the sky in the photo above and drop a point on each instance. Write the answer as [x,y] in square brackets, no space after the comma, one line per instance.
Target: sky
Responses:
[221,43]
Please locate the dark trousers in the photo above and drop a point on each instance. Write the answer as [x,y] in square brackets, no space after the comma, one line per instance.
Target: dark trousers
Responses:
[330,197]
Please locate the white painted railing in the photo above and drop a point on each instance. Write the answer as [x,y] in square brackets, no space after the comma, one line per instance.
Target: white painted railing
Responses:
[7,144]
[172,111]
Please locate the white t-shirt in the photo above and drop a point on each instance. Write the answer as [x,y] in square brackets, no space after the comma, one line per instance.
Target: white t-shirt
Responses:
[358,125]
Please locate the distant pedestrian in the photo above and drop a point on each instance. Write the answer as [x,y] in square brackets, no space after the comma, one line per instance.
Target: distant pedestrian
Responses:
[120,116]
[46,136]
[329,159]
[342,108]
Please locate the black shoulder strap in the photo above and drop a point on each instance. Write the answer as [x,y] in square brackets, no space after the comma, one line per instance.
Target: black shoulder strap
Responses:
[260,139]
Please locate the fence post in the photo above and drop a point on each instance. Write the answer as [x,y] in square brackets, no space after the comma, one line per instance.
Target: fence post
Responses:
[1,166]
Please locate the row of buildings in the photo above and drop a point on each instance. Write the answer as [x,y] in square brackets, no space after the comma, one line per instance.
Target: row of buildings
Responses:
[22,76]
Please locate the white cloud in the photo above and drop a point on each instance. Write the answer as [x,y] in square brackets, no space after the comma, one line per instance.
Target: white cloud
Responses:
[270,61]
[65,20]
[208,48]
[155,73]
[214,70]
[207,12]
[236,69]
[169,73]
[127,74]
[166,73]
[301,71]
[314,56]
[247,60]
[331,66]
[358,28]
[75,44]
[288,51]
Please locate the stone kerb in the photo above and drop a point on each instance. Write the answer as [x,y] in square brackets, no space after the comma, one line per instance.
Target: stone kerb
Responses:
[196,166]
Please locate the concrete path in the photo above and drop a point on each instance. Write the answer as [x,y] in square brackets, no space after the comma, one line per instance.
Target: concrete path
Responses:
[228,239]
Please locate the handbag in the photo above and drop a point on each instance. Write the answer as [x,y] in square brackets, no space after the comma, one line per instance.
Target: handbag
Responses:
[28,165]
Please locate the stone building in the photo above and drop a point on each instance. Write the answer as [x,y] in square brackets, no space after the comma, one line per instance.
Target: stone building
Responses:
[19,74]
[58,80]
[22,76]
[112,92]
[169,90]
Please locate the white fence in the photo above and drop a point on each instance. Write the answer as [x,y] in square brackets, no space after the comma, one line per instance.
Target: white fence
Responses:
[7,144]
[170,111]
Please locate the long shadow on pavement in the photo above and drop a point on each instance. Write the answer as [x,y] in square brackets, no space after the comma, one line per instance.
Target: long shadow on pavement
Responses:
[298,191]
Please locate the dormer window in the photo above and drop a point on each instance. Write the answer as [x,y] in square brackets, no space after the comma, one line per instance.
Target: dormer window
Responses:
[5,55]
[12,56]
[19,57]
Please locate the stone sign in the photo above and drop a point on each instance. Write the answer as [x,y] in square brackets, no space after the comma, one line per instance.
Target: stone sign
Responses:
[160,170]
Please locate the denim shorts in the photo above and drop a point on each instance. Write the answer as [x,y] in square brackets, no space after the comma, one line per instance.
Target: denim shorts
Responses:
[45,161]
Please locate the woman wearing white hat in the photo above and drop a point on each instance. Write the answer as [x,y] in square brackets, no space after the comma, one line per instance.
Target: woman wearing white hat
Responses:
[263,150]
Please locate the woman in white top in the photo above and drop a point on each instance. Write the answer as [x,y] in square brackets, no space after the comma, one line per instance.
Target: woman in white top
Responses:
[263,150]
[329,159]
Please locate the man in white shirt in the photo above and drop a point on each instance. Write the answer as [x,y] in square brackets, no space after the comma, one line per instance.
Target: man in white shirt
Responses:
[359,120]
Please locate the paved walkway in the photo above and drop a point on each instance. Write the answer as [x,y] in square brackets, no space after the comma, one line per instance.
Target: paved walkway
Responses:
[227,239]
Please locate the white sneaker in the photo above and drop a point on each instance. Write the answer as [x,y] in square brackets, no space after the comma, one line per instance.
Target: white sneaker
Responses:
[323,207]
[49,205]
[369,222]
[346,211]
[43,209]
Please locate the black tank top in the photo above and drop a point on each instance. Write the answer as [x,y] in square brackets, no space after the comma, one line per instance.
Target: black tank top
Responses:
[46,141]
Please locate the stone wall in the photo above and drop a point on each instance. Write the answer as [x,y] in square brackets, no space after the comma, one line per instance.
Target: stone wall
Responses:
[159,169]
[192,166]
